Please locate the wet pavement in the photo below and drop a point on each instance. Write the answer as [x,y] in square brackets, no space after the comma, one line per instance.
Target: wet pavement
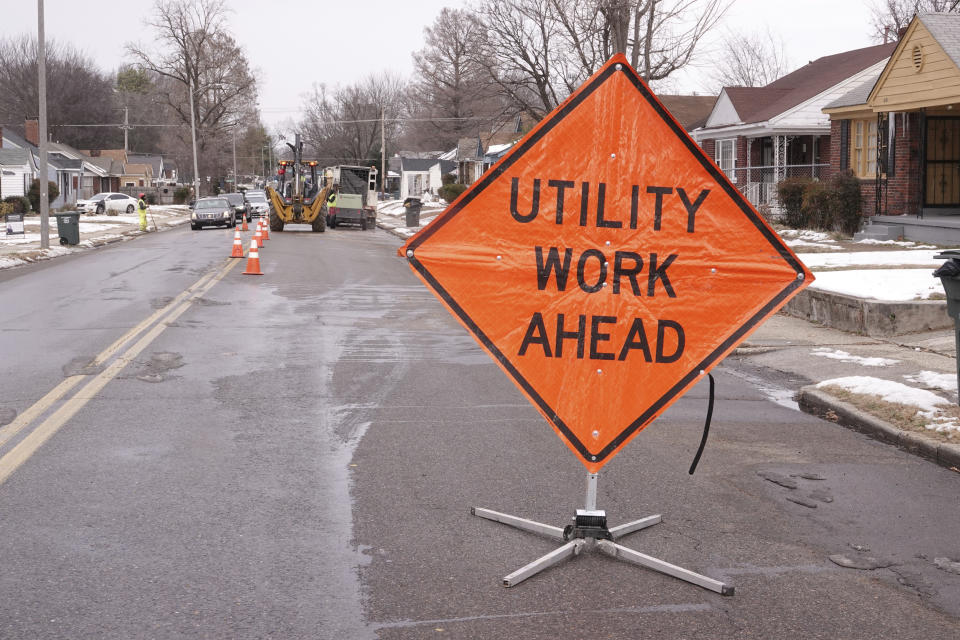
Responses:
[295,455]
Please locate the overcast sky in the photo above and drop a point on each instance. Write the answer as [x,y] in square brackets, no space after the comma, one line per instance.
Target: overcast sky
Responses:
[292,45]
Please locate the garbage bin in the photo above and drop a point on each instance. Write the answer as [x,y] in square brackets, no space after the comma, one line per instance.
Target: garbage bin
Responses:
[949,274]
[68,225]
[412,205]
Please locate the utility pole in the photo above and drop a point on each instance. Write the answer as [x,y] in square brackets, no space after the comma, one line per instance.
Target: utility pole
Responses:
[233,130]
[126,129]
[193,135]
[44,177]
[383,152]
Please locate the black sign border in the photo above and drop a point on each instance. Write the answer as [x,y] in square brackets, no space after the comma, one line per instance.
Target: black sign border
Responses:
[613,66]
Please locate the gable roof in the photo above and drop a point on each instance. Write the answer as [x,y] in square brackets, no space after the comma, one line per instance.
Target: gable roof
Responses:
[16,139]
[903,85]
[14,157]
[945,28]
[153,160]
[760,104]
[690,111]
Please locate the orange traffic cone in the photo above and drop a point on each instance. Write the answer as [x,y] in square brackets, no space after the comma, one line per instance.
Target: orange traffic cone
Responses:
[253,261]
[244,227]
[258,237]
[266,229]
[237,245]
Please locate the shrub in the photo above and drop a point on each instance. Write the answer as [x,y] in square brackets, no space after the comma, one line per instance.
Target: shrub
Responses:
[790,194]
[180,195]
[152,197]
[817,208]
[5,208]
[34,193]
[847,202]
[448,178]
[449,192]
[20,204]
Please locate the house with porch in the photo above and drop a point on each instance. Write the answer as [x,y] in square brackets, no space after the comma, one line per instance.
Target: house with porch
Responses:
[760,136]
[900,134]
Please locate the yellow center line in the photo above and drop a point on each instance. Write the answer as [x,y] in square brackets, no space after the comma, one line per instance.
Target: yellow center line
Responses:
[43,404]
[46,429]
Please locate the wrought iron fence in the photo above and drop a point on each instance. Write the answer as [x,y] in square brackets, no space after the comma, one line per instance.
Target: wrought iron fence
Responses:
[759,184]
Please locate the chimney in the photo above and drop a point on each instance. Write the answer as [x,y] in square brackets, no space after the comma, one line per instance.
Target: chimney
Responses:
[31,131]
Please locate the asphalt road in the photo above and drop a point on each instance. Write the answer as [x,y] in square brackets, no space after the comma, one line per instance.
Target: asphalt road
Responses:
[294,455]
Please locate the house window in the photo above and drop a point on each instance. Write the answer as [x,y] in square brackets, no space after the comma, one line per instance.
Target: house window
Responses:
[863,151]
[726,157]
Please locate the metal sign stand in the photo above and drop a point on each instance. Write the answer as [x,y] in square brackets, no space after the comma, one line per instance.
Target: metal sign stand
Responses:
[589,528]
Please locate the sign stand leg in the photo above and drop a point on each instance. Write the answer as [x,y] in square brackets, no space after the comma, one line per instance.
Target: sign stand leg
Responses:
[589,529]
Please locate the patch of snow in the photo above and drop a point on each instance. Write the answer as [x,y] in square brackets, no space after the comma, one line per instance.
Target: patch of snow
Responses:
[806,235]
[888,390]
[934,380]
[916,257]
[843,356]
[880,284]
[899,243]
[812,245]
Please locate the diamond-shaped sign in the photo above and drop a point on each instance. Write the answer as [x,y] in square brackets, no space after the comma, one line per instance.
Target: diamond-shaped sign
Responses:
[606,263]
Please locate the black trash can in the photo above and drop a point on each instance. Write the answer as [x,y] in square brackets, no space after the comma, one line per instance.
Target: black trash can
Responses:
[949,274]
[412,205]
[68,226]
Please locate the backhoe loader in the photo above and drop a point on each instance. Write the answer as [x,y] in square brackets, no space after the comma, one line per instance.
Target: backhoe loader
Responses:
[300,198]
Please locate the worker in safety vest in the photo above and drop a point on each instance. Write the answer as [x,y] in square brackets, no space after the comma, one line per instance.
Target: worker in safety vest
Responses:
[142,208]
[332,198]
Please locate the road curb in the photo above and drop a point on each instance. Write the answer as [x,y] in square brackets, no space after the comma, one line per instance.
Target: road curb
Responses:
[94,243]
[865,316]
[821,404]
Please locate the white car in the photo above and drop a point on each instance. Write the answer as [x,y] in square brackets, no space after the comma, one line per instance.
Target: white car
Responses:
[119,203]
[90,204]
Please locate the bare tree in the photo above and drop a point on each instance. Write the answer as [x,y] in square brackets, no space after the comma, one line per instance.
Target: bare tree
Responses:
[749,60]
[889,17]
[192,47]
[450,91]
[77,92]
[342,125]
[538,51]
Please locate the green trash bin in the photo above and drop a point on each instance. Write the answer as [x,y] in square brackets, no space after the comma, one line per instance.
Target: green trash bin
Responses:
[68,225]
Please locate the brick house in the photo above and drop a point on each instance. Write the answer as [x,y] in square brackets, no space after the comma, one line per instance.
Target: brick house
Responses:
[760,136]
[900,134]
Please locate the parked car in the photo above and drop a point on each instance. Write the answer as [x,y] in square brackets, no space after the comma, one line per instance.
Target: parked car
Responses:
[238,203]
[92,204]
[212,211]
[257,204]
[115,203]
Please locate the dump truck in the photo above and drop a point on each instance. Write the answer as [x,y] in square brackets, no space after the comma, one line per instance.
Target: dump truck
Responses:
[301,193]
[353,198]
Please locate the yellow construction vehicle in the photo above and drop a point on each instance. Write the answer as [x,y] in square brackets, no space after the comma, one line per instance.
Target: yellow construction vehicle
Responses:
[301,194]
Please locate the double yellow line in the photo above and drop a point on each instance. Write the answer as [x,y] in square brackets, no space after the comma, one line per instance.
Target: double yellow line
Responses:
[151,327]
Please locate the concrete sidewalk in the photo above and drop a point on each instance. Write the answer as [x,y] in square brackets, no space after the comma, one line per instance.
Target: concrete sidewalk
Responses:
[95,231]
[788,356]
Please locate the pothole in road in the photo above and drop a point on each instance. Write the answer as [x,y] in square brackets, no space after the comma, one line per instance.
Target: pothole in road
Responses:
[160,364]
[7,416]
[81,366]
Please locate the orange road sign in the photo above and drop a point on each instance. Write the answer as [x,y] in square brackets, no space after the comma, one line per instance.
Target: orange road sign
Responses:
[606,263]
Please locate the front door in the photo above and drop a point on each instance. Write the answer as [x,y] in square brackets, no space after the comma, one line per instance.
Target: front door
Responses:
[942,188]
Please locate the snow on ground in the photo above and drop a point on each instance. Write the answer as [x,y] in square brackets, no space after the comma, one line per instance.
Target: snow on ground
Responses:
[896,285]
[927,402]
[899,243]
[932,379]
[843,356]
[916,257]
[796,238]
